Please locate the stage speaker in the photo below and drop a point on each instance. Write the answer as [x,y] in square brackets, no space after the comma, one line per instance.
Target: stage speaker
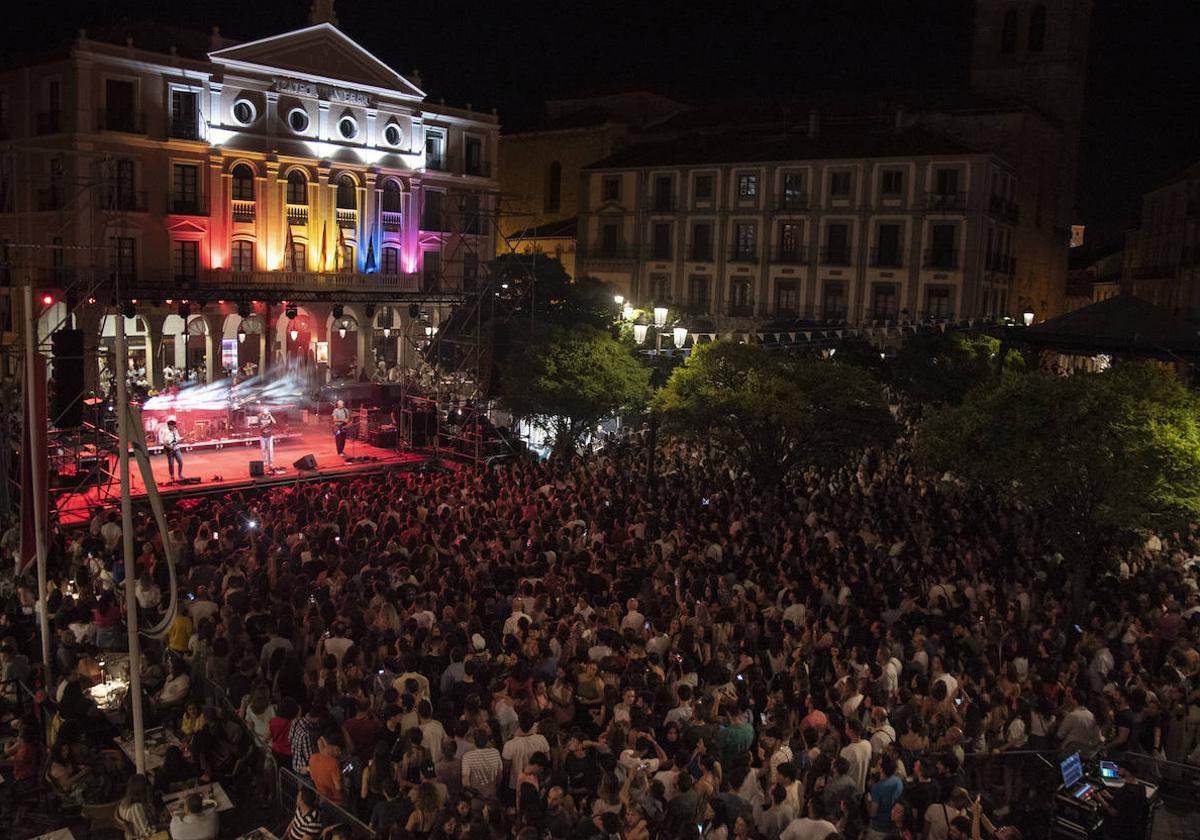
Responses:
[66,403]
[256,469]
[308,462]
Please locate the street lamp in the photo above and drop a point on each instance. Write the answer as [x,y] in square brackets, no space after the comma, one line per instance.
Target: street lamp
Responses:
[241,335]
[430,329]
[639,332]
[618,299]
[1027,316]
[660,316]
[294,333]
[387,332]
[680,336]
[627,312]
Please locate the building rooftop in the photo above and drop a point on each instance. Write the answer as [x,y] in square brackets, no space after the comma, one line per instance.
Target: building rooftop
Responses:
[561,229]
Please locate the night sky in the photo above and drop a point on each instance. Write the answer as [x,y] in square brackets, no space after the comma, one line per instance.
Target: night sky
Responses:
[1143,101]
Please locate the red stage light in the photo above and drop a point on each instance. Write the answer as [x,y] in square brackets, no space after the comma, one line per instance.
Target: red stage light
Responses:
[48,300]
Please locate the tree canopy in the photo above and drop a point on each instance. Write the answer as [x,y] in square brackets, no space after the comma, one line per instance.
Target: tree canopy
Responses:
[941,368]
[1100,454]
[774,412]
[570,380]
[555,300]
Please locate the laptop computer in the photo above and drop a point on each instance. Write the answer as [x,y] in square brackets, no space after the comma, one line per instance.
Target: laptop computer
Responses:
[1072,777]
[1110,777]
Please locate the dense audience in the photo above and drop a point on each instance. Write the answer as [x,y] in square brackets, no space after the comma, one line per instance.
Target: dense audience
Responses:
[569,650]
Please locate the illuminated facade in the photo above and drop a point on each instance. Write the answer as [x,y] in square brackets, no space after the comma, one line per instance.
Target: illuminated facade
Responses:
[297,168]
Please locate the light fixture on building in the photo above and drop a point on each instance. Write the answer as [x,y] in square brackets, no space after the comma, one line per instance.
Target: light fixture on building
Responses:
[429,330]
[342,329]
[294,333]
[618,299]
[639,332]
[387,332]
[241,335]
[627,312]
[1027,316]
[660,316]
[679,334]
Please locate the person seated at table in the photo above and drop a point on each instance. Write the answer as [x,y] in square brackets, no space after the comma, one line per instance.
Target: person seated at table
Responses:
[196,822]
[14,670]
[22,758]
[306,822]
[176,772]
[193,720]
[175,690]
[138,809]
[74,782]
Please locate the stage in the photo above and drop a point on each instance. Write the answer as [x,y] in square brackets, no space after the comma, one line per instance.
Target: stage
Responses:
[228,468]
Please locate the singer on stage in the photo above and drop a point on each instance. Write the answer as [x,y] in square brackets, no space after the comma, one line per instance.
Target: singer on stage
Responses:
[341,419]
[266,434]
[168,439]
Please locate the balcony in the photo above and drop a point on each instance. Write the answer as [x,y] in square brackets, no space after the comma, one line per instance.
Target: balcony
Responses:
[437,163]
[1153,272]
[49,198]
[789,255]
[392,219]
[123,201]
[835,256]
[1001,206]
[700,253]
[185,129]
[478,168]
[947,260]
[949,202]
[661,253]
[346,281]
[186,205]
[129,122]
[785,202]
[297,214]
[346,218]
[48,122]
[243,211]
[1001,264]
[886,258]
[610,251]
[741,310]
[660,204]
[831,312]
[743,255]
[882,311]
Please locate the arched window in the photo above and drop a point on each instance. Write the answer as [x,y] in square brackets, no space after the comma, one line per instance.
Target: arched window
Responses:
[1037,29]
[391,260]
[347,193]
[297,188]
[554,188]
[391,197]
[1008,34]
[243,183]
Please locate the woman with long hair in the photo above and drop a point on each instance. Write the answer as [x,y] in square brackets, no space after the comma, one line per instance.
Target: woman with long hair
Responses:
[375,775]
[425,808]
[257,710]
[137,810]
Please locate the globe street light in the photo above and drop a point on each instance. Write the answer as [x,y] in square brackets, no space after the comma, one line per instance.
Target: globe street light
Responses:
[680,336]
[627,312]
[618,299]
[639,332]
[660,316]
[1027,315]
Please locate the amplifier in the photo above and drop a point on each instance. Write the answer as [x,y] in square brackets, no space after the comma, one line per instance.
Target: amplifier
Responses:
[383,437]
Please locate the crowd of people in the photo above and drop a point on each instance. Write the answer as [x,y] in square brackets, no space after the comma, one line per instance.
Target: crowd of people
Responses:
[570,650]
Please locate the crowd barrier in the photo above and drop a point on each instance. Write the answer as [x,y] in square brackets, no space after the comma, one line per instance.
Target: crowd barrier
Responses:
[289,785]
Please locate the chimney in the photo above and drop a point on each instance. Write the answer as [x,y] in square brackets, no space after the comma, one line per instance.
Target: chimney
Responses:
[814,124]
[899,118]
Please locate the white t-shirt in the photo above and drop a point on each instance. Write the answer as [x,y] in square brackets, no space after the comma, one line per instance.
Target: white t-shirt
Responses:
[858,756]
[804,828]
[519,749]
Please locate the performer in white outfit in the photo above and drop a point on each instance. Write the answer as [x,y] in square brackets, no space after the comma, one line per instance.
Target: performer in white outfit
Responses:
[168,439]
[266,434]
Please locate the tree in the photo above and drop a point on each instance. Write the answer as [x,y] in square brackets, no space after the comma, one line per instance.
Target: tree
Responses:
[570,380]
[941,368]
[536,288]
[774,412]
[1099,454]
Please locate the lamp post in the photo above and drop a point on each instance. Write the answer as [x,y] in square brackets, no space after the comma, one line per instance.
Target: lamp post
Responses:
[660,316]
[639,333]
[627,312]
[1027,316]
[679,335]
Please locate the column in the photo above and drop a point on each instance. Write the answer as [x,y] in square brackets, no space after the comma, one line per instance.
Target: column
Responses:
[369,217]
[215,322]
[326,234]
[154,336]
[270,218]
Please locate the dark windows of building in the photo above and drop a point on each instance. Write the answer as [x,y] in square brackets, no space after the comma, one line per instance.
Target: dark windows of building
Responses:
[298,121]
[433,216]
[790,237]
[185,189]
[891,182]
[839,184]
[185,115]
[787,298]
[1037,29]
[663,197]
[938,302]
[942,240]
[243,112]
[345,258]
[120,105]
[661,239]
[472,219]
[298,260]
[739,297]
[243,183]
[124,257]
[609,239]
[554,188]
[793,197]
[431,269]
[473,156]
[887,245]
[747,186]
[125,194]
[391,260]
[392,197]
[297,188]
[1008,33]
[885,301]
[699,286]
[58,262]
[435,150]
[241,255]
[833,300]
[704,188]
[185,260]
[610,188]
[945,182]
[347,193]
[702,241]
[49,120]
[660,288]
[745,241]
[837,244]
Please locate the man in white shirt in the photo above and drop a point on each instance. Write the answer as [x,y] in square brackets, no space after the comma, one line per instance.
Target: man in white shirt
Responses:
[524,744]
[939,815]
[169,439]
[633,619]
[512,623]
[812,827]
[857,754]
[195,823]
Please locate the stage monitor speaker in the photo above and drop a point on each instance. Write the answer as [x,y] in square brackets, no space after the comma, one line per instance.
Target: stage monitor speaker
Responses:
[308,462]
[256,469]
[66,403]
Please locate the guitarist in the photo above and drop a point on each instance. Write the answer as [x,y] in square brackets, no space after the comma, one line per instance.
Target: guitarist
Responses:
[341,419]
[168,439]
[266,435]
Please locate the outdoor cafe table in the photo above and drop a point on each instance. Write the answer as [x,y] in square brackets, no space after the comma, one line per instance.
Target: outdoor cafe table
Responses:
[214,796]
[158,741]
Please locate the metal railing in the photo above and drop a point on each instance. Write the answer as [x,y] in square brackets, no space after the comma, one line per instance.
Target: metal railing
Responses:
[347,280]
[620,251]
[660,204]
[790,201]
[297,214]
[940,259]
[288,784]
[946,201]
[1001,206]
[437,163]
[886,257]
[794,255]
[1001,263]
[392,219]
[130,122]
[702,253]
[185,129]
[125,201]
[743,255]
[48,122]
[194,205]
[740,310]
[479,168]
[346,217]
[48,198]
[835,256]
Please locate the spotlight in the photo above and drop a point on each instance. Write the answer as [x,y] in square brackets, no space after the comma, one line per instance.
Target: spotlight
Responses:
[294,333]
[169,301]
[342,331]
[47,300]
[337,311]
[387,332]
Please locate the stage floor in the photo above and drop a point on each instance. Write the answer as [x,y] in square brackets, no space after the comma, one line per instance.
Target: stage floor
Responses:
[229,469]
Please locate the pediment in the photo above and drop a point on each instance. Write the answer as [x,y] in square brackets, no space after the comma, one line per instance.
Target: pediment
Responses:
[321,53]
[186,226]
